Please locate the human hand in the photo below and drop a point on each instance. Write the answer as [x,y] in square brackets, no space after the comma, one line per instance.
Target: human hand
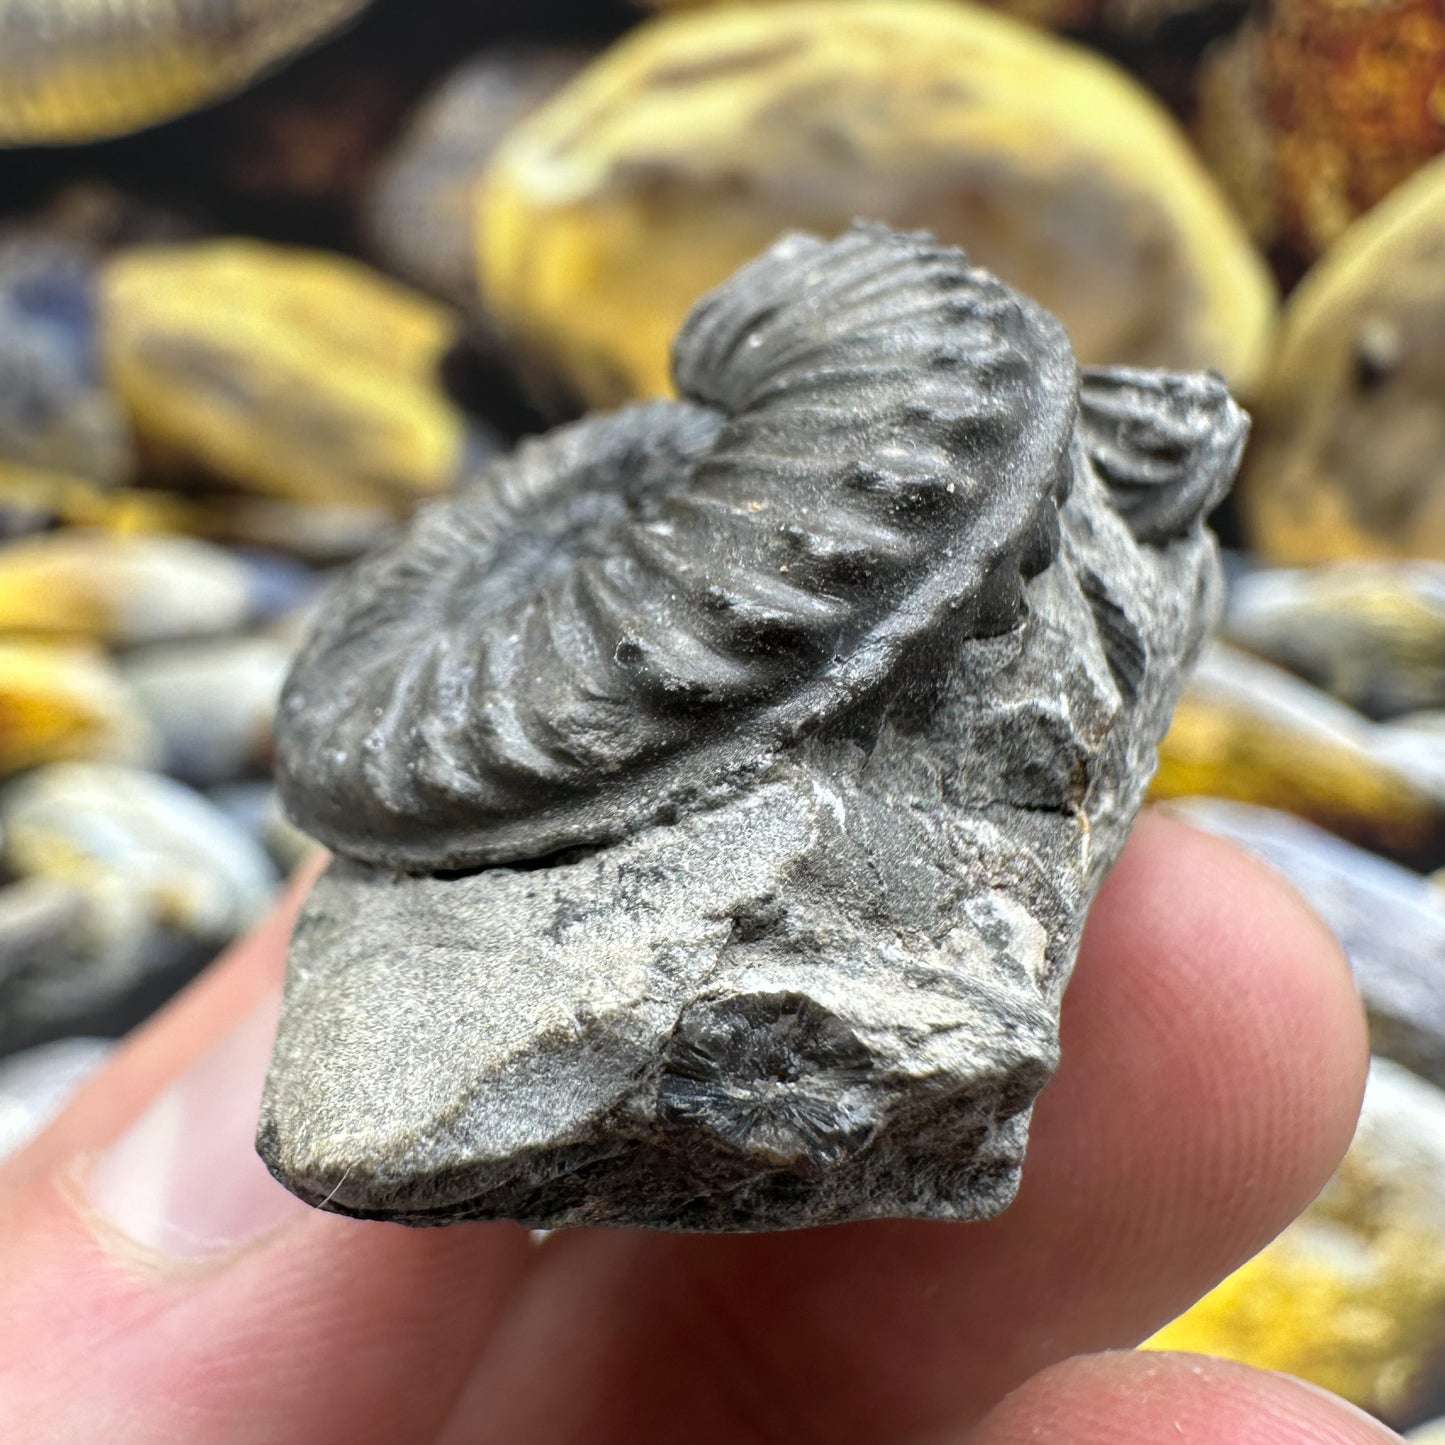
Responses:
[157,1286]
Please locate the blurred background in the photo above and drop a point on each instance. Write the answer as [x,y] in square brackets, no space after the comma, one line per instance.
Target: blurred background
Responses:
[274,271]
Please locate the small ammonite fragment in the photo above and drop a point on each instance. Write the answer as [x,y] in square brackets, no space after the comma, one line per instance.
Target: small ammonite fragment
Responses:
[718,787]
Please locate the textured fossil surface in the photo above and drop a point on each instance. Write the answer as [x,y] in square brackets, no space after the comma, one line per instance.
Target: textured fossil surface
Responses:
[73,70]
[719,787]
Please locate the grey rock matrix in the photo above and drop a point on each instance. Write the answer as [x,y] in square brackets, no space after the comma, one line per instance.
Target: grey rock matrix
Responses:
[719,787]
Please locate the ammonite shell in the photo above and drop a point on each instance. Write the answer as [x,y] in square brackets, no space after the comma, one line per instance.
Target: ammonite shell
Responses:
[1349,460]
[75,70]
[639,610]
[693,144]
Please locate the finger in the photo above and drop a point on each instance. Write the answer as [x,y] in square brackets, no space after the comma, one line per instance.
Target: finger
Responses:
[1167,1399]
[1213,1061]
[157,1284]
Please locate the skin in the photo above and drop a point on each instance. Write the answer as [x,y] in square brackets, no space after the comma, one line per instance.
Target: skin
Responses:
[1214,1056]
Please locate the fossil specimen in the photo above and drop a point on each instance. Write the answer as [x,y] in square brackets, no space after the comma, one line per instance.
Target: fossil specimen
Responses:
[73,70]
[719,786]
[1351,442]
[696,141]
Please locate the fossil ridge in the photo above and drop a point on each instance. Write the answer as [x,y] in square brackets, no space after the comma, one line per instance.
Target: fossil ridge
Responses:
[719,787]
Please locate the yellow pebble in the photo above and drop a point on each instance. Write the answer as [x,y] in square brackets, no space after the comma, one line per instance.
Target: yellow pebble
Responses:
[75,70]
[1250,732]
[292,373]
[687,148]
[1348,456]
[60,701]
[1352,1295]
[121,589]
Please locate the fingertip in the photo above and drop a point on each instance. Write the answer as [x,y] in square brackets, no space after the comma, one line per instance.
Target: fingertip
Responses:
[1213,1030]
[1133,1399]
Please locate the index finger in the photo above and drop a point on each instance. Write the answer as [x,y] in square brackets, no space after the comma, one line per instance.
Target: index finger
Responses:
[1214,1056]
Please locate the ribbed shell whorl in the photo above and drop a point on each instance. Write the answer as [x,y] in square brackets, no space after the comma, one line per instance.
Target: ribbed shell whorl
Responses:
[629,616]
[1166,444]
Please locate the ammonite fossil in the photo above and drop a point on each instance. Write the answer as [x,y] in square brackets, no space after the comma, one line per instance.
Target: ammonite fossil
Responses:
[74,70]
[718,787]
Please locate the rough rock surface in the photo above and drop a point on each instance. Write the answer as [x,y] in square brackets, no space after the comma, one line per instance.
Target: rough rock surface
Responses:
[721,786]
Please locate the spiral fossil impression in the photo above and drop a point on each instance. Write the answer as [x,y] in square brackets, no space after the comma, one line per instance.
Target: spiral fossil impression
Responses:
[719,786]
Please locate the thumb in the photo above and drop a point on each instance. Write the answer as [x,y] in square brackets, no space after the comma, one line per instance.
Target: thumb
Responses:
[156,1284]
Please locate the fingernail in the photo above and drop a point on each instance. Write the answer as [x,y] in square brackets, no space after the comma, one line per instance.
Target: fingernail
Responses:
[185,1180]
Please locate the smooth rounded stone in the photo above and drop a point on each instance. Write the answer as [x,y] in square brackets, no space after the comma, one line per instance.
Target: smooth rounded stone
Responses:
[320,533]
[664,898]
[1389,921]
[419,214]
[78,70]
[291,373]
[1129,19]
[146,882]
[61,701]
[1252,732]
[38,500]
[255,807]
[37,1084]
[1315,110]
[211,702]
[124,590]
[697,140]
[1370,633]
[1350,446]
[1351,1297]
[56,412]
